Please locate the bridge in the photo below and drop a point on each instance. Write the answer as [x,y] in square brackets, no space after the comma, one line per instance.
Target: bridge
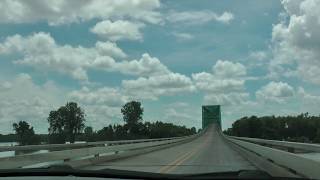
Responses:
[205,152]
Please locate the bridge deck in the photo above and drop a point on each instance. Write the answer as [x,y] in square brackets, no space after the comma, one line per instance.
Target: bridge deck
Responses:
[208,153]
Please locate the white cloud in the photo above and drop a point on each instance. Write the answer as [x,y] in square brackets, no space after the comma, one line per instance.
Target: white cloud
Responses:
[102,96]
[102,105]
[183,36]
[224,85]
[118,30]
[258,55]
[199,17]
[227,99]
[63,12]
[308,102]
[109,49]
[22,99]
[181,113]
[210,83]
[42,52]
[155,86]
[183,117]
[226,76]
[146,66]
[229,69]
[297,41]
[275,92]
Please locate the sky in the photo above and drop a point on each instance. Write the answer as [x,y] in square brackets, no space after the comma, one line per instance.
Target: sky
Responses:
[252,57]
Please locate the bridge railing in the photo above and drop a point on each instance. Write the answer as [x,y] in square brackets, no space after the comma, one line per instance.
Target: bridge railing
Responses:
[85,153]
[290,146]
[79,145]
[293,162]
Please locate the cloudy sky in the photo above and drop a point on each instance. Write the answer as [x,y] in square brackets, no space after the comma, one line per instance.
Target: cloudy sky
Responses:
[252,57]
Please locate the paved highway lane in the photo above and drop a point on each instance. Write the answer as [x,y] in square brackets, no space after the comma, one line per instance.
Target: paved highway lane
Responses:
[208,153]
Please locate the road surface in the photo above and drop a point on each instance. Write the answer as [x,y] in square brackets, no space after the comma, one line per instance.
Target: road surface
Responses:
[207,153]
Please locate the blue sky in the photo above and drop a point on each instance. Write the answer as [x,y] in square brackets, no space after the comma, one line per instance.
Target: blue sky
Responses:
[252,57]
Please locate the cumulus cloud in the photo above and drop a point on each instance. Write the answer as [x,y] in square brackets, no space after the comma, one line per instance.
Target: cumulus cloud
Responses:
[102,105]
[71,11]
[181,113]
[118,30]
[183,36]
[226,76]
[210,83]
[42,52]
[109,49]
[182,116]
[258,55]
[102,96]
[296,40]
[154,86]
[275,92]
[224,85]
[307,96]
[22,99]
[199,17]
[145,66]
[229,69]
[227,99]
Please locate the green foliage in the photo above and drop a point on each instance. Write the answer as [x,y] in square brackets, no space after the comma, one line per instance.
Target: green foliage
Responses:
[89,134]
[66,123]
[132,113]
[25,133]
[301,128]
[142,130]
[8,138]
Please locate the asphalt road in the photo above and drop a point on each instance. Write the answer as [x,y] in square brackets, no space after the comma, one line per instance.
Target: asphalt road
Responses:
[208,153]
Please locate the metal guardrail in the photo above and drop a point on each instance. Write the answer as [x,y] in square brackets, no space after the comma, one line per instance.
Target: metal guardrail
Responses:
[79,145]
[295,163]
[291,146]
[81,150]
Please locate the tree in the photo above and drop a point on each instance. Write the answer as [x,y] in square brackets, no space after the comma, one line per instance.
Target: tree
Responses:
[317,138]
[301,128]
[106,133]
[66,122]
[57,134]
[89,134]
[25,133]
[132,114]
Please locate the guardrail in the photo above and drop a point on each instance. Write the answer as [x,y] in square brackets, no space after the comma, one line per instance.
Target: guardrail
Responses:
[78,145]
[83,150]
[291,146]
[295,163]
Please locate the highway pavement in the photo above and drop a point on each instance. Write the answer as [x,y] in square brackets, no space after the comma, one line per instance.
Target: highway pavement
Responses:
[207,153]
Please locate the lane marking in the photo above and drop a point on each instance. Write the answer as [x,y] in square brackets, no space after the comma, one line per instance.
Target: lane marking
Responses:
[171,168]
[173,165]
[163,169]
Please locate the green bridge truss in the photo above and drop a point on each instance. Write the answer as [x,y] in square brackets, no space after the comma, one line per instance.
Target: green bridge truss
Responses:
[211,114]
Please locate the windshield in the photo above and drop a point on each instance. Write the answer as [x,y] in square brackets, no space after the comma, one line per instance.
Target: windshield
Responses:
[160,86]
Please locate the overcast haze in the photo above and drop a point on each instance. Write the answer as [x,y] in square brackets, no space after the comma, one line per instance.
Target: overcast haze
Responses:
[252,57]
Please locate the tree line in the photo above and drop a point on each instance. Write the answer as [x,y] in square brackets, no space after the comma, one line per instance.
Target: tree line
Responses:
[300,128]
[67,123]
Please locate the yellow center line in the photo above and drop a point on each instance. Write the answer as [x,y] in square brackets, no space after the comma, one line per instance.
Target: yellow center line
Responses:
[164,169]
[170,167]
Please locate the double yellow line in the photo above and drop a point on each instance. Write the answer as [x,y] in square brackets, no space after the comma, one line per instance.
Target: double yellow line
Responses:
[170,167]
